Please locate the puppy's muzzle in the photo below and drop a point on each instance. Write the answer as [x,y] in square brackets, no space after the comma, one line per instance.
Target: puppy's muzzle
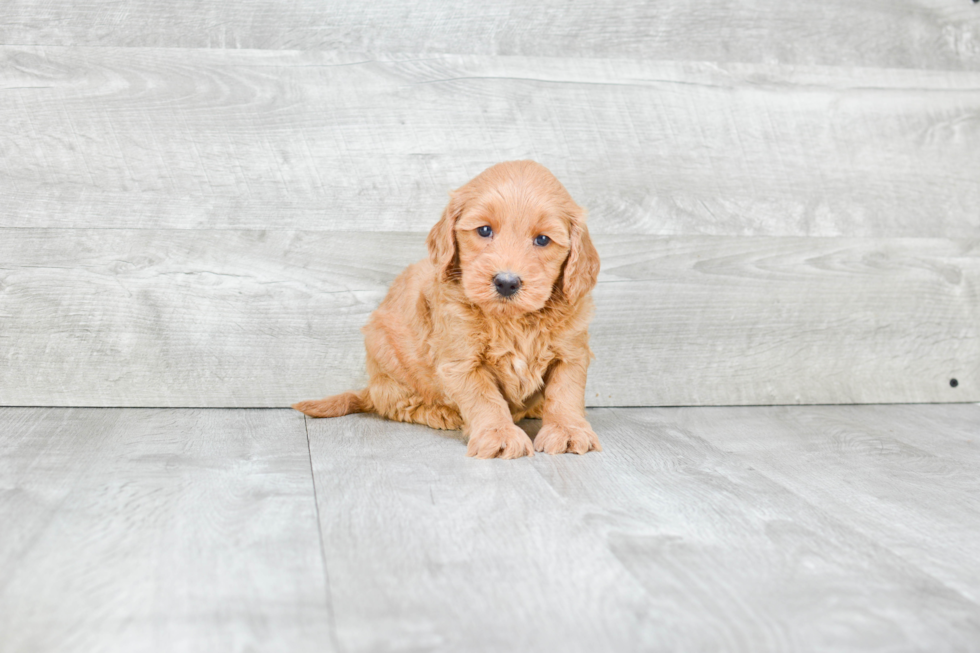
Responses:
[506,283]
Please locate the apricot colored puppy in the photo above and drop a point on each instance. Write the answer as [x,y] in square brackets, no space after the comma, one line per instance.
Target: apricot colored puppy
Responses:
[493,326]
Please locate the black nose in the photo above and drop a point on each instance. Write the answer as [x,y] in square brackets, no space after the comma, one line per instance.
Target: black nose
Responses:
[506,283]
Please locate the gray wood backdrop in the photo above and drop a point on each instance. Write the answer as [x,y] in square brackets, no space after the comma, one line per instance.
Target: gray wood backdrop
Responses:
[200,203]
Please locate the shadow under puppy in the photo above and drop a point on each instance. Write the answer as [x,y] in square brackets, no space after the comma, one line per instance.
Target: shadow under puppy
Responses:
[493,326]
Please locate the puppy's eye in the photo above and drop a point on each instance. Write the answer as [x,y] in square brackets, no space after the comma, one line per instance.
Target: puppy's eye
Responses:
[541,240]
[485,231]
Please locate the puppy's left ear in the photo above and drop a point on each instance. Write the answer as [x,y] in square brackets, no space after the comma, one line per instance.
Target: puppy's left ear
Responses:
[582,265]
[442,238]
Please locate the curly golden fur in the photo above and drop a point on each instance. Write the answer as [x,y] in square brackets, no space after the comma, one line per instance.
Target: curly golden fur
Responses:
[448,349]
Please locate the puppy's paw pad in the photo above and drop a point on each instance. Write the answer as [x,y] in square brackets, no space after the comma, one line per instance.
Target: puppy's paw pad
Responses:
[506,441]
[566,438]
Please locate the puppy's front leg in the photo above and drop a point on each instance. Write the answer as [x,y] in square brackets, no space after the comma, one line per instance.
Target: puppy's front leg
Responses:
[564,425]
[488,422]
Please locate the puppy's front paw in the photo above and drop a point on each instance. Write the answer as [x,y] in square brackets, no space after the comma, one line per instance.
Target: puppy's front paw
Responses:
[572,438]
[505,441]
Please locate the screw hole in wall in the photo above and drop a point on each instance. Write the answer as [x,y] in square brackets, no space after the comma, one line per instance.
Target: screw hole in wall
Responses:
[953,382]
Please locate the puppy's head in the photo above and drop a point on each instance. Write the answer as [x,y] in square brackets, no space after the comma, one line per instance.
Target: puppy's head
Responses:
[513,238]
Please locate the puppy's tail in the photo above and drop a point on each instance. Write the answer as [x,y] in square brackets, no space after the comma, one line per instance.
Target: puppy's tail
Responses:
[337,405]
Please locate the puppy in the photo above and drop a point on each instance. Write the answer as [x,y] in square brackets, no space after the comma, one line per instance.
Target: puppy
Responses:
[493,326]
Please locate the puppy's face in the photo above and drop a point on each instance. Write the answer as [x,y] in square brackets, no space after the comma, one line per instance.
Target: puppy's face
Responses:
[511,242]
[509,235]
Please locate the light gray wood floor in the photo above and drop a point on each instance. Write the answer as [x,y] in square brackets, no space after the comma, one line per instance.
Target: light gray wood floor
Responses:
[740,529]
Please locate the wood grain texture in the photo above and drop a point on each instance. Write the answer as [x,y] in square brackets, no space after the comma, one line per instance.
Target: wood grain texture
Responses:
[756,529]
[666,541]
[902,475]
[900,33]
[162,138]
[249,318]
[427,551]
[158,530]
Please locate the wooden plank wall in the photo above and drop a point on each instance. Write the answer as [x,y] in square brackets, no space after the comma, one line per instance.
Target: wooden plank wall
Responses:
[939,34]
[201,205]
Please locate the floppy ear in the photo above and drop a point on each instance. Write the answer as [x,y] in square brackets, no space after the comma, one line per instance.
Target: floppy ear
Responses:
[442,238]
[582,265]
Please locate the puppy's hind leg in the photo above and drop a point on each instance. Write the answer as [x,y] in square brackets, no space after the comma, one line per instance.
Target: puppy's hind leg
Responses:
[398,402]
[337,405]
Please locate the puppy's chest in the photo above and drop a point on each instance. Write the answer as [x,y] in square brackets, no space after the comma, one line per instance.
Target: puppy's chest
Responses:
[520,367]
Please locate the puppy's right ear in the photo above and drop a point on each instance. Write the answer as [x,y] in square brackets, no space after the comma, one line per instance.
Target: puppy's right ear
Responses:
[442,238]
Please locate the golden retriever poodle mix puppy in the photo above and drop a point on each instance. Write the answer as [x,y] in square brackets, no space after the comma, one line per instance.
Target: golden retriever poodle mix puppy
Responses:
[493,326]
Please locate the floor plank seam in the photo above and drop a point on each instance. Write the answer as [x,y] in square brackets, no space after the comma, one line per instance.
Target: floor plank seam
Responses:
[323,551]
[855,533]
